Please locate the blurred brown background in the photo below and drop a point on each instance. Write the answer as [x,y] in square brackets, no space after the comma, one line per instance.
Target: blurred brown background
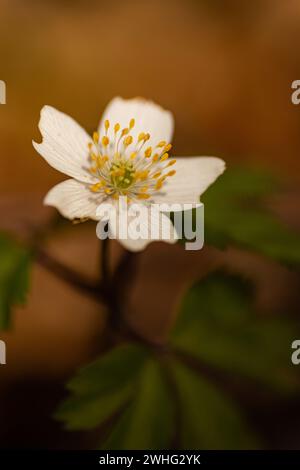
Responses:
[224,68]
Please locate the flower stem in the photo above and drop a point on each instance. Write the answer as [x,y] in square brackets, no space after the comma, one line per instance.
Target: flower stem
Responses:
[104,262]
[70,276]
[112,290]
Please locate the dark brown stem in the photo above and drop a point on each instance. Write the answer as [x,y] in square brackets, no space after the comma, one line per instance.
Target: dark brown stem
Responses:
[125,272]
[104,262]
[110,291]
[75,279]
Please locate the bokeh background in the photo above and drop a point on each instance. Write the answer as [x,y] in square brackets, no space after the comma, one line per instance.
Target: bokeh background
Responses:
[224,68]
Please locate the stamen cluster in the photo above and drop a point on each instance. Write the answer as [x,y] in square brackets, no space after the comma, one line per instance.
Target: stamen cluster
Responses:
[126,167]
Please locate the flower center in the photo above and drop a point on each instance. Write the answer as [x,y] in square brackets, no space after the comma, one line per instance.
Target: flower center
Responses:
[124,166]
[122,174]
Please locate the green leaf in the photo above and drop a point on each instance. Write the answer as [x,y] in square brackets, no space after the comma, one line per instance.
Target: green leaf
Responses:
[102,388]
[91,410]
[209,420]
[235,214]
[14,277]
[218,324]
[148,421]
[118,366]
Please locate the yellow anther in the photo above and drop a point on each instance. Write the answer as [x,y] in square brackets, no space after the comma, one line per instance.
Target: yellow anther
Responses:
[144,175]
[96,187]
[172,162]
[160,182]
[164,157]
[96,137]
[143,196]
[101,161]
[167,148]
[148,152]
[141,136]
[108,191]
[105,141]
[171,173]
[128,140]
[106,125]
[161,144]
[132,123]
[133,155]
[93,157]
[147,137]
[157,175]
[125,131]
[93,170]
[155,158]
[117,127]
[90,145]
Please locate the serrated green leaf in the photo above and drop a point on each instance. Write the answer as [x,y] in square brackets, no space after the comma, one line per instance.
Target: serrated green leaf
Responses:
[14,277]
[148,421]
[218,324]
[209,420]
[235,214]
[102,388]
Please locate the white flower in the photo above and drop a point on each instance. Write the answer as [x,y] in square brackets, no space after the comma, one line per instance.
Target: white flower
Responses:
[128,156]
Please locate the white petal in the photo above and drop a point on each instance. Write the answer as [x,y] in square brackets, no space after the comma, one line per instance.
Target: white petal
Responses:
[149,117]
[153,226]
[193,176]
[73,200]
[64,145]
